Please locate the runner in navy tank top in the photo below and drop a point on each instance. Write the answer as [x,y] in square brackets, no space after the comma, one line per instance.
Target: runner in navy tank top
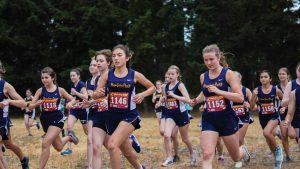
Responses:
[78,91]
[293,107]
[175,96]
[123,117]
[52,119]
[266,95]
[9,96]
[155,99]
[162,126]
[29,115]
[218,118]
[283,76]
[99,131]
[91,86]
[242,110]
[292,85]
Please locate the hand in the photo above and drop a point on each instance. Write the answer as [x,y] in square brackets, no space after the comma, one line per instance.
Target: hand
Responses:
[99,93]
[213,89]
[255,92]
[201,108]
[90,92]
[4,103]
[156,105]
[170,93]
[138,98]
[282,110]
[193,102]
[247,104]
[86,104]
[69,105]
[39,102]
[73,92]
[286,123]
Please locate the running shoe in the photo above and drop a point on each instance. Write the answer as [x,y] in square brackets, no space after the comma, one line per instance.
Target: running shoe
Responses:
[247,156]
[25,163]
[221,159]
[288,159]
[238,164]
[74,139]
[66,152]
[38,126]
[194,158]
[135,144]
[168,162]
[278,158]
[176,158]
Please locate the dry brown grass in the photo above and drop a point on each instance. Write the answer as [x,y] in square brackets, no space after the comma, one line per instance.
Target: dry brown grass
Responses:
[152,154]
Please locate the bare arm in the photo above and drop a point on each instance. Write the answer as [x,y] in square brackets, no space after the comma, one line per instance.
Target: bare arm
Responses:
[185,95]
[291,107]
[16,100]
[253,99]
[82,94]
[249,96]
[100,91]
[286,95]
[153,98]
[279,93]
[68,97]
[35,100]
[140,78]
[235,95]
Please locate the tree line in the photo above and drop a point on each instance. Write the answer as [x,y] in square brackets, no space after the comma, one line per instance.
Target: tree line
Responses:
[64,34]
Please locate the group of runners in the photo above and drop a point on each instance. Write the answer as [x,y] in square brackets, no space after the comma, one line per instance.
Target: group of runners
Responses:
[106,106]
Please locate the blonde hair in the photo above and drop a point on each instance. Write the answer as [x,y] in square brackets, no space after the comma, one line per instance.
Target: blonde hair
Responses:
[214,48]
[177,71]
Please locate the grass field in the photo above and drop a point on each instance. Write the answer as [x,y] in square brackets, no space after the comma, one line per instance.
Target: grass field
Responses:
[152,154]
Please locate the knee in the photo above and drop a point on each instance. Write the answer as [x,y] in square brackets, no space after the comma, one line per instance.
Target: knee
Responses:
[185,140]
[112,146]
[46,143]
[96,148]
[162,133]
[267,134]
[207,155]
[167,137]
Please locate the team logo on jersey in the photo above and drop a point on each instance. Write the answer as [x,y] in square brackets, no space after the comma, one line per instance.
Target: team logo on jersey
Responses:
[120,85]
[217,84]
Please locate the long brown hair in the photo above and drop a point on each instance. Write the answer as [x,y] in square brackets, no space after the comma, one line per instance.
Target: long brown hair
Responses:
[128,53]
[51,73]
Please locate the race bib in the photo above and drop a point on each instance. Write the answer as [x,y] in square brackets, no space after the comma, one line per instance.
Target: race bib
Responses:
[239,110]
[267,108]
[102,104]
[119,100]
[171,103]
[77,105]
[215,103]
[50,104]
